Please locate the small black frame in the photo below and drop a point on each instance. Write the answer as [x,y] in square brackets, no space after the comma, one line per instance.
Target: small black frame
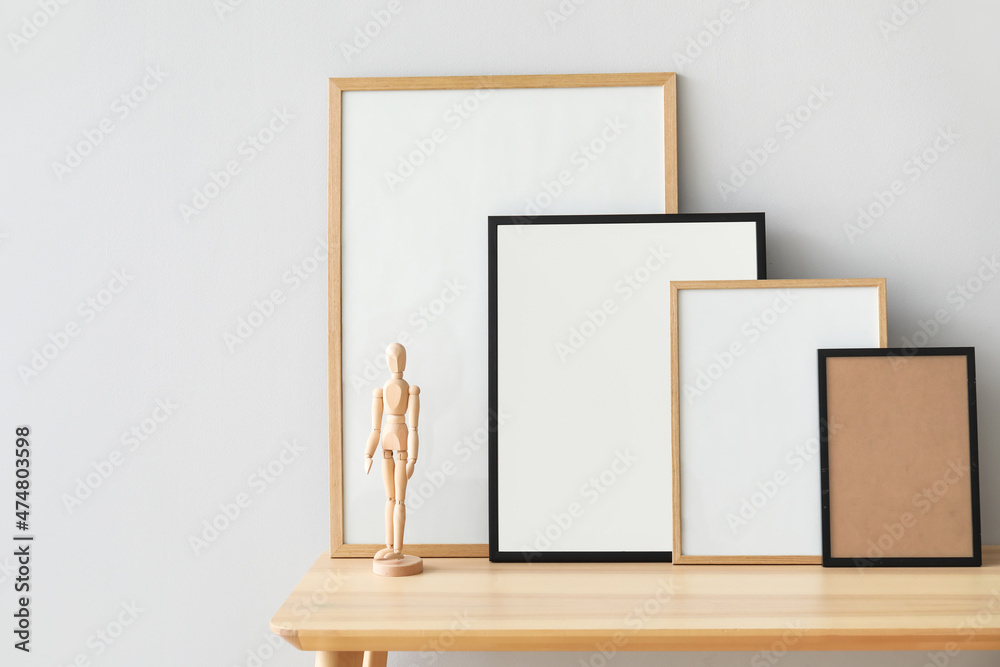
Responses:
[976,559]
[495,222]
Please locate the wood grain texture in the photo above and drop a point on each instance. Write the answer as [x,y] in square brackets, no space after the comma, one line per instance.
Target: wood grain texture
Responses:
[505,81]
[670,143]
[781,283]
[340,659]
[675,423]
[679,557]
[668,80]
[883,317]
[475,605]
[336,397]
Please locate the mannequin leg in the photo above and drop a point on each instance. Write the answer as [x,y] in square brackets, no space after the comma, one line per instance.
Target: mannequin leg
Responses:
[388,466]
[400,514]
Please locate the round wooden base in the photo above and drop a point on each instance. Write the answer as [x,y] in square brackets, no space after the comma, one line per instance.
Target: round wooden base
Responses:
[398,567]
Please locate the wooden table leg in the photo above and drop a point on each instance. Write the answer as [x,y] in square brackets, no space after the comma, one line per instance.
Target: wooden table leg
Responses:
[339,658]
[351,659]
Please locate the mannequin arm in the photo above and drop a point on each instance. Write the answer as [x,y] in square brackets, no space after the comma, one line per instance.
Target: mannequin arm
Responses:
[376,428]
[412,439]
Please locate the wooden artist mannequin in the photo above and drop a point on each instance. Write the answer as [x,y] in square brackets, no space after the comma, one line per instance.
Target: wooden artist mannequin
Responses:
[400,402]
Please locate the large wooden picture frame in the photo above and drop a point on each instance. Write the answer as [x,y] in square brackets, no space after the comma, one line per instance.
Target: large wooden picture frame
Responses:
[744,393]
[410,116]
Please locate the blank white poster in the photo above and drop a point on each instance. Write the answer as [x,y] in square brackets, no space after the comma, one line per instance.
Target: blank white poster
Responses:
[749,412]
[422,171]
[583,376]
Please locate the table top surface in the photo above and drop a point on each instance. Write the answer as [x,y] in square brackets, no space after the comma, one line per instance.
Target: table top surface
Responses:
[470,604]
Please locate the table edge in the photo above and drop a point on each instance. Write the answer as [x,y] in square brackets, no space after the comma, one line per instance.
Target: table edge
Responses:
[762,639]
[660,639]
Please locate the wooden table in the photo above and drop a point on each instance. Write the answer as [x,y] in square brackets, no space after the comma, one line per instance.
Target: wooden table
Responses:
[342,610]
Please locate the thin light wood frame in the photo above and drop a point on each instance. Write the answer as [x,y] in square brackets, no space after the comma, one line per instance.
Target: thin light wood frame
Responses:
[678,554]
[666,80]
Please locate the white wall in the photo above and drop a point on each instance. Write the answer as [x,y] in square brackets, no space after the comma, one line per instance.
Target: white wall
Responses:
[189,282]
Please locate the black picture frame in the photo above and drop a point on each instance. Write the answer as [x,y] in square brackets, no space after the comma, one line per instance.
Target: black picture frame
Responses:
[976,560]
[495,222]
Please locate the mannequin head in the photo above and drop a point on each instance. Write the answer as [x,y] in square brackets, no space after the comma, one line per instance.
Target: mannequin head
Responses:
[395,357]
